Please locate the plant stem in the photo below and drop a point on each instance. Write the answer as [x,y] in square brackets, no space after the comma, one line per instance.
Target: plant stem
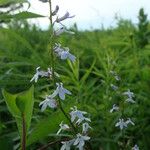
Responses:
[65,114]
[23,143]
[52,39]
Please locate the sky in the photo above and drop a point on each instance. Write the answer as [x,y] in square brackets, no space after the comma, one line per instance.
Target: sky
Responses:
[91,14]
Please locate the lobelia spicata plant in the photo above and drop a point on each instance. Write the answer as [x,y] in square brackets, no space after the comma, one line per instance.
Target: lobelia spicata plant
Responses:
[78,122]
[123,121]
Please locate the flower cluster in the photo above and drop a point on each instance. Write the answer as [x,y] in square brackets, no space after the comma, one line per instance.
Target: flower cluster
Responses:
[40,73]
[62,30]
[79,123]
[78,115]
[50,101]
[114,108]
[63,53]
[78,118]
[122,122]
[135,147]
[130,96]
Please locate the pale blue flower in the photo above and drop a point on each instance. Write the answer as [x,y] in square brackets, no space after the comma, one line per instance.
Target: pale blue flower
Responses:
[39,73]
[61,91]
[63,53]
[129,121]
[80,141]
[121,124]
[62,30]
[129,94]
[49,101]
[129,100]
[85,127]
[67,145]
[62,127]
[67,55]
[135,147]
[49,71]
[115,108]
[36,75]
[78,115]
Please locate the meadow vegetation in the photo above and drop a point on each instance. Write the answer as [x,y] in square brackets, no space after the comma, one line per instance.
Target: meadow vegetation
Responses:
[124,49]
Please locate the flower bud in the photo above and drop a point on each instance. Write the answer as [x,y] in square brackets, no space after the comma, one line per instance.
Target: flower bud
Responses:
[55,11]
[65,16]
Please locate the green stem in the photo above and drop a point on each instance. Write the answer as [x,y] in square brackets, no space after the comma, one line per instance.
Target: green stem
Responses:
[65,114]
[23,143]
[52,39]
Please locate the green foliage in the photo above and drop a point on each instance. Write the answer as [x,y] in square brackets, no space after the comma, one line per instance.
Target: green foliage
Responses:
[143,33]
[25,47]
[12,6]
[20,105]
[45,127]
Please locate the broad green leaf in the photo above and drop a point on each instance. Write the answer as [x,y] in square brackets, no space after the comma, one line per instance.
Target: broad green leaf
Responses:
[21,15]
[49,125]
[24,102]
[46,126]
[10,100]
[15,102]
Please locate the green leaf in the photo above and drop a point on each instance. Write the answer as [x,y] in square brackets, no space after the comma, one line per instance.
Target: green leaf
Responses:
[46,126]
[21,15]
[88,71]
[20,104]
[10,100]
[24,102]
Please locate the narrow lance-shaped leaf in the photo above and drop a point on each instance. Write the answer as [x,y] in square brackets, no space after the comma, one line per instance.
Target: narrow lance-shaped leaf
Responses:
[21,15]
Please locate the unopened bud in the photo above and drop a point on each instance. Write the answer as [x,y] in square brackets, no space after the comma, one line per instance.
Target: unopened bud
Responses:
[66,16]
[55,11]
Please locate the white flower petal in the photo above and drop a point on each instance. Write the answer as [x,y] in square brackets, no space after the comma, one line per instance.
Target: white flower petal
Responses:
[44,106]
